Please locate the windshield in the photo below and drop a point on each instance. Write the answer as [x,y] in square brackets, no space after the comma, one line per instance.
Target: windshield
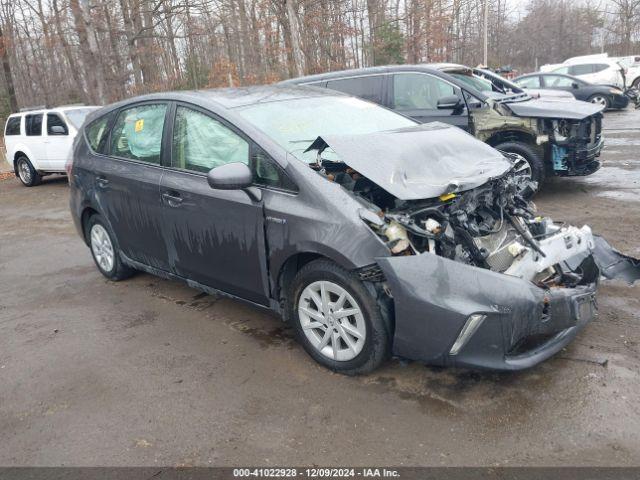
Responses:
[294,124]
[473,82]
[77,115]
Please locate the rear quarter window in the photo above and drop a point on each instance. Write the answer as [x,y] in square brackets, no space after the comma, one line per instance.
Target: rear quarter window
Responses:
[13,126]
[368,87]
[97,133]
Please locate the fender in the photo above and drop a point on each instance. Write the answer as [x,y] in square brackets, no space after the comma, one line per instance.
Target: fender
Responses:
[21,147]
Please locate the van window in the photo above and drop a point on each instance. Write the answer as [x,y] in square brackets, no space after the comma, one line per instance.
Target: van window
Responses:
[201,143]
[368,87]
[13,126]
[98,132]
[419,91]
[137,133]
[599,67]
[54,120]
[33,125]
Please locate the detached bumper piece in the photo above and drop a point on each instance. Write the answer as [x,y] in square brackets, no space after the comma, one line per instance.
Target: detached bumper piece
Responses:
[449,313]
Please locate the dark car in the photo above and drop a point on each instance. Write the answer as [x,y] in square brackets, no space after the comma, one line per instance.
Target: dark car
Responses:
[607,96]
[371,234]
[550,138]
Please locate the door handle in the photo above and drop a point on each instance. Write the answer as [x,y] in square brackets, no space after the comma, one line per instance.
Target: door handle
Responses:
[102,182]
[172,199]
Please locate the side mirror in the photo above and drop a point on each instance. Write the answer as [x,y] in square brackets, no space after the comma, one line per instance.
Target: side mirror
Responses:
[451,102]
[58,130]
[231,176]
[575,85]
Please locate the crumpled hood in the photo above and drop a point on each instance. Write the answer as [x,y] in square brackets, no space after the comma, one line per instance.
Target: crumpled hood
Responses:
[541,108]
[418,162]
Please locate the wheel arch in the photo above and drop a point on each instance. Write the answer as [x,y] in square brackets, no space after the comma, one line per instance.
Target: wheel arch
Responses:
[511,136]
[86,214]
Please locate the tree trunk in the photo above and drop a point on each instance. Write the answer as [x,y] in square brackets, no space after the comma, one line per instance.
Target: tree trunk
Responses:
[6,69]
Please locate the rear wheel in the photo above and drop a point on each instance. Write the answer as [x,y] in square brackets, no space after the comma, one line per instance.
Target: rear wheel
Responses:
[599,99]
[528,164]
[26,173]
[104,250]
[337,320]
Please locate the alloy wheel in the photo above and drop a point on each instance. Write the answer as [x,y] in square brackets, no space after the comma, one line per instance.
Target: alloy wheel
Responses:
[24,171]
[102,247]
[521,167]
[599,100]
[332,320]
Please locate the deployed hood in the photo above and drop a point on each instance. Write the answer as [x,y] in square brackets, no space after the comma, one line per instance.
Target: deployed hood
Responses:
[418,162]
[542,108]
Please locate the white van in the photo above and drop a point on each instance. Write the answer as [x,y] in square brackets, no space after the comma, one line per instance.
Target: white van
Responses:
[38,141]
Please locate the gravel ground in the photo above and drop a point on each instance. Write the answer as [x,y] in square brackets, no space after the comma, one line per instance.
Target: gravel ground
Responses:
[150,372]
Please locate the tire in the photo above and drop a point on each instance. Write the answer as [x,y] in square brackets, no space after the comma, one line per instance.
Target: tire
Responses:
[104,250]
[355,355]
[26,173]
[531,155]
[636,83]
[599,99]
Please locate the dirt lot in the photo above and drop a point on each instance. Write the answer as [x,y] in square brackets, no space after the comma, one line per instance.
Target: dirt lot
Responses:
[150,372]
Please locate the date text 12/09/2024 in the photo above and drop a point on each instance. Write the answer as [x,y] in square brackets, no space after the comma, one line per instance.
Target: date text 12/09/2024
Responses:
[315,472]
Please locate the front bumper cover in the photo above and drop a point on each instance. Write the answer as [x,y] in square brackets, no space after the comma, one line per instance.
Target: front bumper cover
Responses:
[524,324]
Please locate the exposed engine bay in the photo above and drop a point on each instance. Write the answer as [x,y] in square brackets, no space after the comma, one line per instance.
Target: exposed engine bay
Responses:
[492,226]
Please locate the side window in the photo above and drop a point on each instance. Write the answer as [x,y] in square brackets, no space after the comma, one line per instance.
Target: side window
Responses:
[599,67]
[137,133]
[417,91]
[581,69]
[201,143]
[369,87]
[53,120]
[557,81]
[529,82]
[562,70]
[268,174]
[13,126]
[33,125]
[98,132]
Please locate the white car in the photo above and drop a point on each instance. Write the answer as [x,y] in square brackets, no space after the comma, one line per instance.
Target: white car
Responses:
[38,141]
[632,64]
[599,69]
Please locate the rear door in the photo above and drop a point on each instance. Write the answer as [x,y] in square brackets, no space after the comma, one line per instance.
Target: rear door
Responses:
[127,182]
[216,237]
[416,95]
[34,140]
[57,140]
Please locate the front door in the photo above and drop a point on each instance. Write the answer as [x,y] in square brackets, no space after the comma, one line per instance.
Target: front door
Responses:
[416,95]
[216,237]
[127,184]
[58,142]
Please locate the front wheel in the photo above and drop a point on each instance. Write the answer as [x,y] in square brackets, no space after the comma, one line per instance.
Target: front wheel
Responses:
[601,100]
[337,320]
[105,251]
[528,164]
[28,175]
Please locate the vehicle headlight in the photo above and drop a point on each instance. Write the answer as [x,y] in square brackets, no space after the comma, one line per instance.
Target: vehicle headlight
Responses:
[615,91]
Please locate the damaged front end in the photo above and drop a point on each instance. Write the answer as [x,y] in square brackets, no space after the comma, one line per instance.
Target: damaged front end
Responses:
[570,133]
[475,275]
